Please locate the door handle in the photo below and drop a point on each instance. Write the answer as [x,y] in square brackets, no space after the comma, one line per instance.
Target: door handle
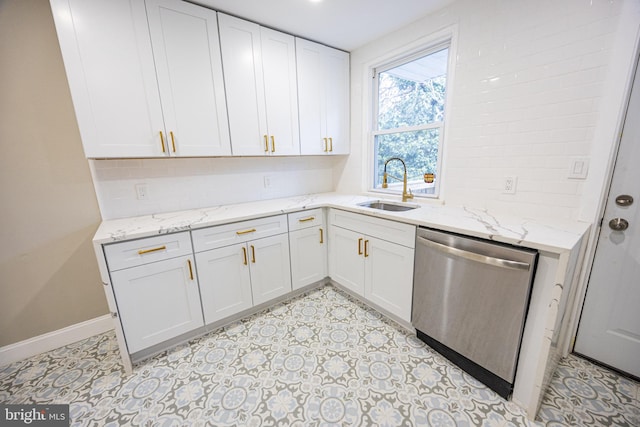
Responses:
[253,254]
[618,224]
[360,246]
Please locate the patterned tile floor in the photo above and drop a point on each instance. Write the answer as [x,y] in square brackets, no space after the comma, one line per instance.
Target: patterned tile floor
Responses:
[317,360]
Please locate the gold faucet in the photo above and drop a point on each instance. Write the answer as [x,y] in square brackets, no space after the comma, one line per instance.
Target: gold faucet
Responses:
[406,195]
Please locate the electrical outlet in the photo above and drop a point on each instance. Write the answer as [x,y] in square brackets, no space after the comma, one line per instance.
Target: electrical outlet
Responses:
[509,185]
[267,181]
[142,191]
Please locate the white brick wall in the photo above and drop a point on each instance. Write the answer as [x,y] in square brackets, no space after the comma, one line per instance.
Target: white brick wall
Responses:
[177,184]
[528,95]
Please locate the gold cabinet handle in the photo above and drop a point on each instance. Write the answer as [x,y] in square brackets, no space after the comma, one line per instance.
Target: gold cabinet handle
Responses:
[239,233]
[360,246]
[326,144]
[330,144]
[244,255]
[190,269]
[253,254]
[266,144]
[273,144]
[173,141]
[146,251]
[366,248]
[311,218]
[321,236]
[162,141]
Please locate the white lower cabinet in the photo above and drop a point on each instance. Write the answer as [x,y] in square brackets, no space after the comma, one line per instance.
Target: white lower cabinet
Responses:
[236,272]
[308,244]
[270,268]
[157,301]
[225,282]
[378,269]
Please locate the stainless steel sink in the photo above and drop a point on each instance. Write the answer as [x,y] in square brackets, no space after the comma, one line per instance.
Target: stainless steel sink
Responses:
[388,206]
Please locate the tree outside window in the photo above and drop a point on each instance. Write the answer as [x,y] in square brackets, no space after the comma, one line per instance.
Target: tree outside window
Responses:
[410,119]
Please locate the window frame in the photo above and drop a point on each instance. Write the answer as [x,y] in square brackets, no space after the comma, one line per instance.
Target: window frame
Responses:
[425,47]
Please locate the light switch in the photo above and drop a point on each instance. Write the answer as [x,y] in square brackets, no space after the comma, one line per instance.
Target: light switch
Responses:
[578,168]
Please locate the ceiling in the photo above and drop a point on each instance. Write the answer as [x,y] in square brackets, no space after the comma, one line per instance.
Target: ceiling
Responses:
[344,24]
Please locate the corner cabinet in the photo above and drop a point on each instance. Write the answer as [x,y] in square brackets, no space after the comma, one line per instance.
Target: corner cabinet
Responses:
[146,81]
[323,93]
[155,288]
[373,258]
[260,80]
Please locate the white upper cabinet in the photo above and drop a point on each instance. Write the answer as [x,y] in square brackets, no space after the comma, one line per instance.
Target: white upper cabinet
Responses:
[186,49]
[107,55]
[323,93]
[261,86]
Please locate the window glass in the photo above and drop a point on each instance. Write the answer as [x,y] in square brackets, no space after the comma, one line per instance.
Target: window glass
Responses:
[410,111]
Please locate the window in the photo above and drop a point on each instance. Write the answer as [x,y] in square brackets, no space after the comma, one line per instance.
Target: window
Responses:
[409,120]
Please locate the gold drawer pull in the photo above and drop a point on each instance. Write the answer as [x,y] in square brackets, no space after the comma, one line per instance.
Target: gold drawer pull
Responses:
[253,254]
[146,251]
[360,246]
[253,230]
[244,255]
[311,218]
[273,144]
[173,141]
[190,269]
[326,145]
[321,236]
[330,144]
[366,248]
[266,143]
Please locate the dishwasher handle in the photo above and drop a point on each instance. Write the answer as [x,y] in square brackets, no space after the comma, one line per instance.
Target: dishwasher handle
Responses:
[498,262]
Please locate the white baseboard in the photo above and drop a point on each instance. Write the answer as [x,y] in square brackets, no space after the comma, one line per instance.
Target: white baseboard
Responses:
[56,339]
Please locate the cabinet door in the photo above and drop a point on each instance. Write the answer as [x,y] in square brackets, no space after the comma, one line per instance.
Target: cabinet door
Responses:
[311,92]
[244,83]
[389,276]
[189,68]
[225,283]
[270,267]
[323,91]
[281,93]
[157,301]
[336,66]
[308,256]
[346,253]
[111,73]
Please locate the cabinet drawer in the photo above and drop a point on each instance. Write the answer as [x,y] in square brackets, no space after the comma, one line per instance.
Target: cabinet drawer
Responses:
[143,251]
[391,231]
[306,219]
[238,232]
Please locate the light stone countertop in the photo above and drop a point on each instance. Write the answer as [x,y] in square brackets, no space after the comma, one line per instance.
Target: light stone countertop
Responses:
[556,237]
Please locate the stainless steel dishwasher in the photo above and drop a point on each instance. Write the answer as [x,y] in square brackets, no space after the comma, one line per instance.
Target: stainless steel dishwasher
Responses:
[470,300]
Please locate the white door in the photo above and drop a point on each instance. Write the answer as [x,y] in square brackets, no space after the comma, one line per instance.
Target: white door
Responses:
[189,67]
[244,84]
[157,301]
[308,256]
[280,89]
[109,63]
[311,93]
[337,100]
[389,276]
[270,267]
[225,283]
[609,329]
[346,264]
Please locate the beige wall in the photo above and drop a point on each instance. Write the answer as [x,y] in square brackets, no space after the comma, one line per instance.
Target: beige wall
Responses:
[48,212]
